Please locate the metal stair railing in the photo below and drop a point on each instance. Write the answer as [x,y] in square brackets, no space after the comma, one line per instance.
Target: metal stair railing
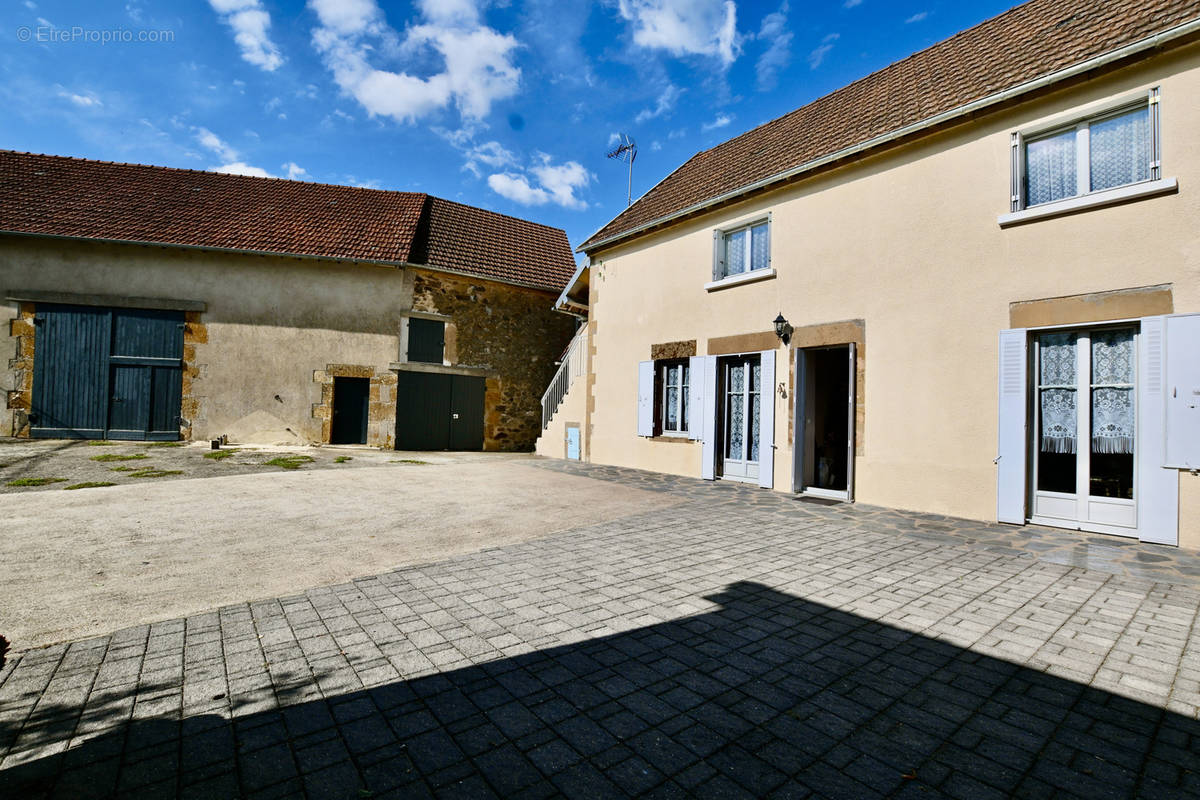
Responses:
[570,367]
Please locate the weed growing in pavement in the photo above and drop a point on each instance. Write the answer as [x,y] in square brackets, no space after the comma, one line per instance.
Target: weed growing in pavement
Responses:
[151,472]
[290,462]
[407,461]
[102,443]
[118,457]
[163,444]
[220,455]
[34,481]
[123,469]
[343,459]
[90,485]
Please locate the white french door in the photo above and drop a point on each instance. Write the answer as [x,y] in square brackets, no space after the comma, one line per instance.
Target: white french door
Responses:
[1085,434]
[741,382]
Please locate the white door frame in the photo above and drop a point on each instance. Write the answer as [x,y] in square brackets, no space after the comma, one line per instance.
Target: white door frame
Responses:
[799,417]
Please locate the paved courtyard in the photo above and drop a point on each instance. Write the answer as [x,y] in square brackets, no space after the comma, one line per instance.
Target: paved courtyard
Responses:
[737,644]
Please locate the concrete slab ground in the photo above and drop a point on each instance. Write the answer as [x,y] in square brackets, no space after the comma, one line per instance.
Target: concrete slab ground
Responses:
[736,644]
[94,560]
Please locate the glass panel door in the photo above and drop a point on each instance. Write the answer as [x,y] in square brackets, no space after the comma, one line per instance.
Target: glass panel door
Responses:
[741,380]
[1085,433]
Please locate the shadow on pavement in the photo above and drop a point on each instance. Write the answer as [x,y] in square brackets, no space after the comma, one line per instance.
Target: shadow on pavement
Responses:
[769,695]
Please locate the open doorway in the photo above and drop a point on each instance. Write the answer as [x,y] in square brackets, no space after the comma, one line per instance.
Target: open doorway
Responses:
[351,399]
[824,414]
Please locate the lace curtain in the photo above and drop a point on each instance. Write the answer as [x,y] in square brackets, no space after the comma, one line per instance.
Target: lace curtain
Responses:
[1112,404]
[1050,168]
[1120,150]
[735,253]
[1058,402]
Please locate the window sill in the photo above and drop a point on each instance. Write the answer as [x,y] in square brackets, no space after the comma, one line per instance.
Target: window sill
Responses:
[671,437]
[737,280]
[1108,197]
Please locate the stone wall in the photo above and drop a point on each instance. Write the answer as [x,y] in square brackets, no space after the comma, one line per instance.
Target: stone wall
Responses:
[511,331]
[20,398]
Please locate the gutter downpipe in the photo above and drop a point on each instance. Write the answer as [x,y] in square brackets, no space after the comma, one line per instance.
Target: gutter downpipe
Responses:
[1148,43]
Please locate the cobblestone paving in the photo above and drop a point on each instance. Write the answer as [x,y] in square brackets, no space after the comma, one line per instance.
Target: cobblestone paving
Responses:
[740,645]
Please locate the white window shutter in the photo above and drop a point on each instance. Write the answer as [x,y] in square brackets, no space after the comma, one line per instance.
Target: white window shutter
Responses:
[695,420]
[708,426]
[766,421]
[718,265]
[1157,487]
[1012,438]
[645,424]
[1182,390]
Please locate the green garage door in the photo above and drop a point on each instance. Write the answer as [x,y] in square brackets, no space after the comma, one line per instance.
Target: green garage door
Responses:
[435,411]
[111,373]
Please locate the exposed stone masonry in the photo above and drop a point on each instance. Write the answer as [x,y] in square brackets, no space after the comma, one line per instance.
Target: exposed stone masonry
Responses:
[513,331]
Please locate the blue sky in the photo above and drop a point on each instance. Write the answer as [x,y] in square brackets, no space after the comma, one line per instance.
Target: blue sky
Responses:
[509,105]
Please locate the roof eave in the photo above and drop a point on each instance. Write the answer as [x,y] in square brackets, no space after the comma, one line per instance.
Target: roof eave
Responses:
[279,254]
[1134,48]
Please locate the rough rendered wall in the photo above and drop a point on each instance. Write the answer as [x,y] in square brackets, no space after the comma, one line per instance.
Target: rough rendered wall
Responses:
[509,330]
[10,391]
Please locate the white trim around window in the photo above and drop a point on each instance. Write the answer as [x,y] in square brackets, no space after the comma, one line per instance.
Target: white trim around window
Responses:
[750,257]
[1107,154]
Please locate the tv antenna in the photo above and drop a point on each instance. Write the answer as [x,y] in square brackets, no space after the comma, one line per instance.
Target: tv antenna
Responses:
[626,151]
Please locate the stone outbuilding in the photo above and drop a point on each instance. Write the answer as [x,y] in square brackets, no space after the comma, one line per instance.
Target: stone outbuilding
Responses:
[159,304]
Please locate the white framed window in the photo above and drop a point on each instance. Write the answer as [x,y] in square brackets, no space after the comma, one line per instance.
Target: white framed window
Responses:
[673,382]
[1093,156]
[741,251]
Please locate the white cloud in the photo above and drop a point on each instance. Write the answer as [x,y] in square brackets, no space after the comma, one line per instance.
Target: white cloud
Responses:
[490,154]
[852,3]
[817,56]
[776,57]
[613,138]
[685,27]
[720,122]
[478,67]
[85,100]
[211,141]
[920,15]
[295,172]
[32,6]
[250,23]
[666,102]
[655,146]
[241,168]
[556,183]
[517,188]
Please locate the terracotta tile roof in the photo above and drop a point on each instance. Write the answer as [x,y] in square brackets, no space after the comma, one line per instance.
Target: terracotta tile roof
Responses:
[1024,43]
[80,198]
[469,239]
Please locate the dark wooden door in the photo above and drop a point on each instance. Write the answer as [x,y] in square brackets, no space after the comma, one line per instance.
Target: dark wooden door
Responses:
[107,373]
[435,411]
[351,400]
[466,413]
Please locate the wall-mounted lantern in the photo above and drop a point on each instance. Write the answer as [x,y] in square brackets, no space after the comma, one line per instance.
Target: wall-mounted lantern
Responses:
[783,329]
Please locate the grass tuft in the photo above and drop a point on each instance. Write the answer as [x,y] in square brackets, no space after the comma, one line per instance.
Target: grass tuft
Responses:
[220,455]
[408,461]
[34,481]
[151,472]
[290,462]
[164,444]
[102,443]
[343,459]
[90,485]
[124,469]
[119,457]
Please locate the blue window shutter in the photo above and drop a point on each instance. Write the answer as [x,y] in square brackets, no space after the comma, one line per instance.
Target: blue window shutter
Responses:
[1012,436]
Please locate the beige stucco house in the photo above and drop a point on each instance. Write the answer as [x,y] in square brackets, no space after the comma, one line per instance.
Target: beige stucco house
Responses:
[151,303]
[967,284]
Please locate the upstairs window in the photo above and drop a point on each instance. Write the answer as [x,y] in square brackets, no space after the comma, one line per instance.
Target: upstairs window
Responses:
[741,250]
[426,340]
[1117,148]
